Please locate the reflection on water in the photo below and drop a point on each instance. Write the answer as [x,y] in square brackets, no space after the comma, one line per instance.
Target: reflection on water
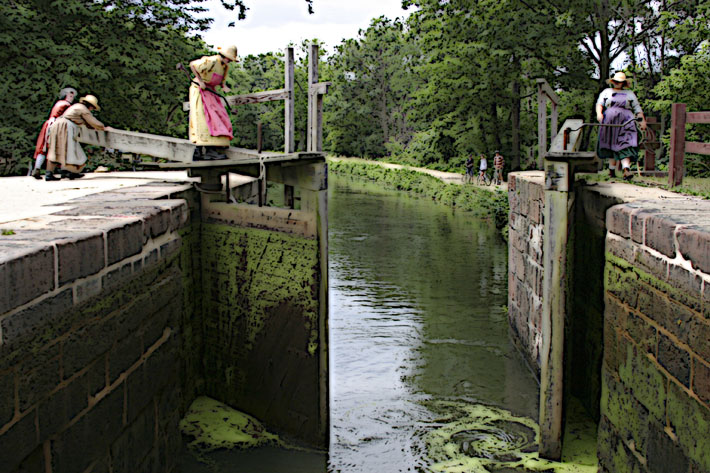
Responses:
[417,296]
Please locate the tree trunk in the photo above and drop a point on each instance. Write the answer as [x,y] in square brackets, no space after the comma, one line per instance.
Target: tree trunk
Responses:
[494,125]
[515,125]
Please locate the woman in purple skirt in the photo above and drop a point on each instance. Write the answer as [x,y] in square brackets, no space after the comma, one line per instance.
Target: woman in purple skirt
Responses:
[615,106]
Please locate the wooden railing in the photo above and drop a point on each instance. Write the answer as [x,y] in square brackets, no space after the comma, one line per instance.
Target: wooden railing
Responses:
[679,117]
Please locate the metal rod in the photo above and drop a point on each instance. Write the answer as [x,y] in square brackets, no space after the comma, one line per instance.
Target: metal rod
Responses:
[259,138]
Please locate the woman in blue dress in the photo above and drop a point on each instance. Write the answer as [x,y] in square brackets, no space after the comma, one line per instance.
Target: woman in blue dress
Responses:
[615,106]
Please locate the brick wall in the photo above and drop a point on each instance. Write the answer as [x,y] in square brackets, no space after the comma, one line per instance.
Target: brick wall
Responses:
[526,199]
[655,402]
[93,303]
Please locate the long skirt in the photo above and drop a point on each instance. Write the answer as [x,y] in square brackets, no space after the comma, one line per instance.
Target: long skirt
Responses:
[41,146]
[207,111]
[618,142]
[63,148]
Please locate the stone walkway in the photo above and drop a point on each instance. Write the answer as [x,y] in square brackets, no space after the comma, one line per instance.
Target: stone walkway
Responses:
[26,197]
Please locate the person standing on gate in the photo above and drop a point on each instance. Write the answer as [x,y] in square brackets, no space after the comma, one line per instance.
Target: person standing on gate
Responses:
[616,106]
[498,164]
[66,98]
[210,125]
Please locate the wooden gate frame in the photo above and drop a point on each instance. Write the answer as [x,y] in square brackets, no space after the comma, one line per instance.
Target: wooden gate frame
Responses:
[545,93]
[678,148]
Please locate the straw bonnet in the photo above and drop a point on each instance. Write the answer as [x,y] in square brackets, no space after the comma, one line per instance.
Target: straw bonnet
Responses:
[620,77]
[91,100]
[229,52]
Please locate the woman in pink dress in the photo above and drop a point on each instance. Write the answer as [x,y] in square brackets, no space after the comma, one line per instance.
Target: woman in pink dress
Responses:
[66,97]
[210,125]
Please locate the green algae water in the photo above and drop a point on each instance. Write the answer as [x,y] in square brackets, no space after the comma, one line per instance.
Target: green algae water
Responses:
[423,376]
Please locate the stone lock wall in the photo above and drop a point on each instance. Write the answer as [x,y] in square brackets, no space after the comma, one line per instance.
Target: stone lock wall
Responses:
[655,401]
[637,332]
[95,313]
[525,239]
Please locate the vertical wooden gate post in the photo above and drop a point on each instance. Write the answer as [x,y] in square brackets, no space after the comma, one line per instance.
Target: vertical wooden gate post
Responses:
[541,125]
[545,93]
[676,167]
[316,91]
[561,162]
[313,136]
[554,283]
[289,122]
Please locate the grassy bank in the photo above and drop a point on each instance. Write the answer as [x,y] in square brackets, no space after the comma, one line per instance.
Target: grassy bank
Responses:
[483,203]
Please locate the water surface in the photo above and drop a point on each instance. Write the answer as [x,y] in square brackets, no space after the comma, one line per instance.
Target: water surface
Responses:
[417,314]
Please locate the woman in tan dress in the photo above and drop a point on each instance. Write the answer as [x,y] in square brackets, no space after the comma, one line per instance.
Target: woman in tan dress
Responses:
[63,150]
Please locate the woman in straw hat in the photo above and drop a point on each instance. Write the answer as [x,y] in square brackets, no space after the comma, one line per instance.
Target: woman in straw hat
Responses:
[63,151]
[210,124]
[615,106]
[66,97]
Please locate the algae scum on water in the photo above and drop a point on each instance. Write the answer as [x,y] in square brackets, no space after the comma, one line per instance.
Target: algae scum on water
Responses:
[214,425]
[475,438]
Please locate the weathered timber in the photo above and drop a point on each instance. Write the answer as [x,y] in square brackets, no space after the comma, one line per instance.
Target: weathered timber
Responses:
[309,176]
[237,157]
[545,93]
[676,167]
[697,117]
[560,166]
[295,222]
[551,94]
[289,106]
[312,138]
[552,324]
[541,127]
[158,146]
[557,143]
[697,147]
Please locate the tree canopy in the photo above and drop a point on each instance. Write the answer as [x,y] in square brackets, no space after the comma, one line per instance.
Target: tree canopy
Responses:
[457,77]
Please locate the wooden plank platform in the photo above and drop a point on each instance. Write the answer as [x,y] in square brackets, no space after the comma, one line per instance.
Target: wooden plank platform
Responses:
[179,151]
[235,158]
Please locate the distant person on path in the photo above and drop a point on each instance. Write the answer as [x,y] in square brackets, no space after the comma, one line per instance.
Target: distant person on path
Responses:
[210,125]
[469,164]
[482,165]
[498,164]
[615,106]
[63,150]
[66,98]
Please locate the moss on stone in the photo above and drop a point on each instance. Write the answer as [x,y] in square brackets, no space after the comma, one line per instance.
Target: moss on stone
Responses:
[213,425]
[690,422]
[251,271]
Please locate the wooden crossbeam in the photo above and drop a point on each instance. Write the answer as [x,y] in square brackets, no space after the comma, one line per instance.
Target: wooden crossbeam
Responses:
[697,117]
[697,147]
[321,88]
[174,149]
[545,87]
